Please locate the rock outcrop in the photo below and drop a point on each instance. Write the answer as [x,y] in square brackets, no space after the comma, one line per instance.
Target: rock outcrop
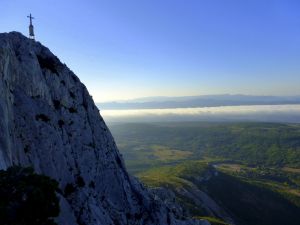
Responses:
[49,121]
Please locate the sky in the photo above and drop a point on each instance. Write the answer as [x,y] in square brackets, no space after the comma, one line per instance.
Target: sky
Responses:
[138,48]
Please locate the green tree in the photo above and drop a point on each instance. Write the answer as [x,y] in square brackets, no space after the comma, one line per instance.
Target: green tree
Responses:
[27,198]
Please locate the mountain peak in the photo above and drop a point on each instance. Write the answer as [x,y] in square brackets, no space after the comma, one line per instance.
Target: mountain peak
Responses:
[49,121]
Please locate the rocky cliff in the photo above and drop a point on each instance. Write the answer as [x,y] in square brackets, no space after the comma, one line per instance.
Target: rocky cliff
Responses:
[49,121]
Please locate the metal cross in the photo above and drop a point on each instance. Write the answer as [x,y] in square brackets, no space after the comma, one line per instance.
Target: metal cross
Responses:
[30,17]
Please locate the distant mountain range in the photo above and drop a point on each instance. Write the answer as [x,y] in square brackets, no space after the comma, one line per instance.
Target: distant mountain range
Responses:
[199,101]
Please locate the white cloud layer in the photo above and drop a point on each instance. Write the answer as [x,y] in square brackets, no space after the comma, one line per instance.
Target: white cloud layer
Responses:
[276,113]
[205,110]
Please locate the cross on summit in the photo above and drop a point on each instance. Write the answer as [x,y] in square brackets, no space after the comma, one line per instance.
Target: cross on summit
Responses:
[31,31]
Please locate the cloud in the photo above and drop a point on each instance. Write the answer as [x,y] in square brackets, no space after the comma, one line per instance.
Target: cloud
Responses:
[204,111]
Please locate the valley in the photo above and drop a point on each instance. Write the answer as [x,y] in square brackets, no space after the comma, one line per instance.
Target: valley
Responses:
[228,173]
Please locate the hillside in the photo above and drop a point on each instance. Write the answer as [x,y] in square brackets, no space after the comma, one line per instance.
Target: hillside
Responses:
[233,198]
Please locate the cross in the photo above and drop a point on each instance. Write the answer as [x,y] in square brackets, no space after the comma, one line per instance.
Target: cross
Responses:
[31,32]
[30,17]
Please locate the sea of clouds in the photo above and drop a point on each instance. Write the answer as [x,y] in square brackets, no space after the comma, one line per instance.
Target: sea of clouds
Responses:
[262,113]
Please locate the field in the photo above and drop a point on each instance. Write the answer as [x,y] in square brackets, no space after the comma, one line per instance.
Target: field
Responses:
[257,167]
[261,144]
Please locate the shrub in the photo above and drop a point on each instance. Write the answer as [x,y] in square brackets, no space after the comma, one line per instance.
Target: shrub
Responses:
[60,123]
[69,189]
[92,184]
[72,95]
[42,117]
[27,198]
[80,181]
[57,104]
[47,63]
[72,110]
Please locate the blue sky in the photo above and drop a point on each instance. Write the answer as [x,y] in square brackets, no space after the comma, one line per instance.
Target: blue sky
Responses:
[124,49]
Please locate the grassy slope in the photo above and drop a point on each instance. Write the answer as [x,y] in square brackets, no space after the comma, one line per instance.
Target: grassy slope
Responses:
[173,176]
[179,176]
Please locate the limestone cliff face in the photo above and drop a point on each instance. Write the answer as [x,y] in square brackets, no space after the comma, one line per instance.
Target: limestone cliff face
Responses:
[49,121]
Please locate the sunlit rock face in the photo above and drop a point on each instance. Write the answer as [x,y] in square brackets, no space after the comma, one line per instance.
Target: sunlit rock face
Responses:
[49,121]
